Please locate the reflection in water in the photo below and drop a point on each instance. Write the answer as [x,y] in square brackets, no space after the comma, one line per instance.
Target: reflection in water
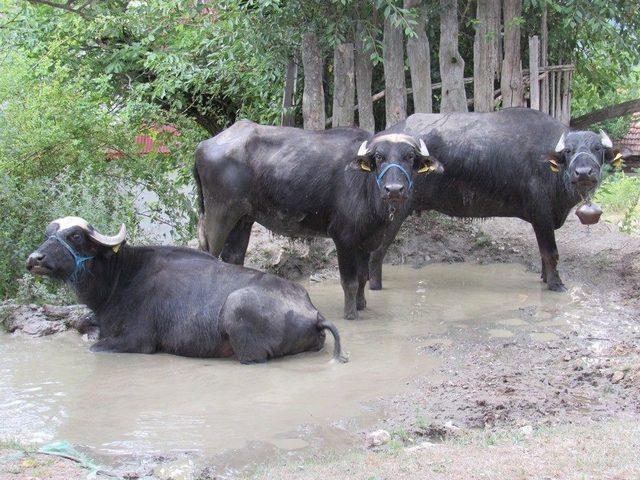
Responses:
[54,388]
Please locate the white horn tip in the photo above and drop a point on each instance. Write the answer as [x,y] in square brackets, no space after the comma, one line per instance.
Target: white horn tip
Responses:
[362,151]
[424,151]
[560,144]
[606,141]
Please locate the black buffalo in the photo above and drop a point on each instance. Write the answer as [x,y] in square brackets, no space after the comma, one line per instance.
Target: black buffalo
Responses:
[178,300]
[516,162]
[340,183]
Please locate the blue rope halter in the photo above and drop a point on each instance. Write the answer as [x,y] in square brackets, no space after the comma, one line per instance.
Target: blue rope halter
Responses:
[394,165]
[77,258]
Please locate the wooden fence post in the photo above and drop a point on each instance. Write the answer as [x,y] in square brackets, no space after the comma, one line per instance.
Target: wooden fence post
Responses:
[287,117]
[534,72]
[344,87]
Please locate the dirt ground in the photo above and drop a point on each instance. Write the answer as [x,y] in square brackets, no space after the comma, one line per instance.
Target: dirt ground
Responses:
[564,408]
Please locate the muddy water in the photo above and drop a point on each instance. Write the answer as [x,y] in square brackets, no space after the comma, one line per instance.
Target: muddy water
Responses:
[54,388]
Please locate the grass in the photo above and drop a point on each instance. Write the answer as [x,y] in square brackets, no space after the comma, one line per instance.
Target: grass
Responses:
[603,450]
[619,196]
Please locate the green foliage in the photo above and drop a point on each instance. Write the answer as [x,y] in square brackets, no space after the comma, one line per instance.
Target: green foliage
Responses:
[29,206]
[619,196]
[589,95]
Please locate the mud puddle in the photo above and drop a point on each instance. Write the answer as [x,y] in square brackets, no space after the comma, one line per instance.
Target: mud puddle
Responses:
[120,405]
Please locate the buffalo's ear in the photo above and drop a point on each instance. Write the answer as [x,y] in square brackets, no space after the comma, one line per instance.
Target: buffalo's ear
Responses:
[616,156]
[427,163]
[555,160]
[363,158]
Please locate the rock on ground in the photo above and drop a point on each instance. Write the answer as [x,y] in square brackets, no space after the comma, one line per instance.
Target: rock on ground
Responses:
[39,321]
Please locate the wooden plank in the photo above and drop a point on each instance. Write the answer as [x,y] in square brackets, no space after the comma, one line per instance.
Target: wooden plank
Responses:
[566,82]
[544,47]
[558,95]
[287,118]
[344,86]
[552,102]
[534,87]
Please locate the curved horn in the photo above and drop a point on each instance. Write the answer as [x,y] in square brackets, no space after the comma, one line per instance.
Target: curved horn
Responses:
[606,141]
[363,150]
[423,149]
[560,145]
[108,241]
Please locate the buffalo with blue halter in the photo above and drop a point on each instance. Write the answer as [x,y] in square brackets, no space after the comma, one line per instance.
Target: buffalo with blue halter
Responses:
[394,159]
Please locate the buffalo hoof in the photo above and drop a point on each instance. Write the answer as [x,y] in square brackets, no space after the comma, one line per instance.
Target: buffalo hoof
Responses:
[375,284]
[361,303]
[351,315]
[342,358]
[557,287]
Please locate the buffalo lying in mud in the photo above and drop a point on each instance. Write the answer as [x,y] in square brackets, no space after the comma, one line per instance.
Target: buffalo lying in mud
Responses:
[339,183]
[175,300]
[515,162]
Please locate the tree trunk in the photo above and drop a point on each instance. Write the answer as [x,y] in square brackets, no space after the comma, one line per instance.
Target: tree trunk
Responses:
[395,89]
[344,87]
[454,97]
[485,54]
[420,63]
[364,73]
[313,114]
[511,83]
[287,118]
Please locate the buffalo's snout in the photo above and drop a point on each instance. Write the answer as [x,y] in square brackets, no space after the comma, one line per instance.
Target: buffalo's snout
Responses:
[395,191]
[36,263]
[585,175]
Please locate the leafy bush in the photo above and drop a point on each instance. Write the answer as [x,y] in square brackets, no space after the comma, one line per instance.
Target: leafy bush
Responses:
[619,196]
[29,206]
[55,132]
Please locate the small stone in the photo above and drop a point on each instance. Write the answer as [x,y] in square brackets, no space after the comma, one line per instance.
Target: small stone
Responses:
[420,446]
[527,430]
[177,470]
[377,438]
[617,376]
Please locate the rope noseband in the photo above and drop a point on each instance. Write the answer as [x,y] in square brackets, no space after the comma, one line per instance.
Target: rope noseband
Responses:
[394,165]
[77,258]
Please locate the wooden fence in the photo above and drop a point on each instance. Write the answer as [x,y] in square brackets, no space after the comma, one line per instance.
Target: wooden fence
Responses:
[551,93]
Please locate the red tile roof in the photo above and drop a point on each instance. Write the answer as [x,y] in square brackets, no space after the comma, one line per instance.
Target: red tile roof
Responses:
[632,139]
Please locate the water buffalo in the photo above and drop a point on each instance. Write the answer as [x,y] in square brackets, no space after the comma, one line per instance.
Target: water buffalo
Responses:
[152,299]
[339,183]
[515,162]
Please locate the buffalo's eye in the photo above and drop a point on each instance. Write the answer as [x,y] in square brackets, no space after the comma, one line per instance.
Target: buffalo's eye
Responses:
[597,148]
[411,156]
[76,237]
[567,150]
[378,158]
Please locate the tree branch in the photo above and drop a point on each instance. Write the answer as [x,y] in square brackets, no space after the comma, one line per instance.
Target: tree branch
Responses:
[68,6]
[606,113]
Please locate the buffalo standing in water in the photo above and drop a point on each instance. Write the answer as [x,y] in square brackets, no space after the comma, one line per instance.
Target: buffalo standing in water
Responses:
[516,162]
[337,183]
[176,300]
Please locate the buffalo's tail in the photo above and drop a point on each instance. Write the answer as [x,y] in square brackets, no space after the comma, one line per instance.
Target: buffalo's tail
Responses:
[324,324]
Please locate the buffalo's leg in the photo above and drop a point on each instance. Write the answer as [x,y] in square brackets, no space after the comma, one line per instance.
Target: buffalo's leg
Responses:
[124,344]
[363,277]
[377,256]
[348,266]
[549,254]
[235,248]
[219,221]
